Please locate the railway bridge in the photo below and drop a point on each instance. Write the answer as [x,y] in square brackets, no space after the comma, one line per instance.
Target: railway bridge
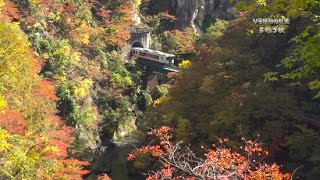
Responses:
[153,62]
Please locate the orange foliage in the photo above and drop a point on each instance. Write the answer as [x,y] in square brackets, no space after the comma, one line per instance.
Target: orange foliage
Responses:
[9,12]
[168,16]
[45,88]
[104,13]
[36,106]
[219,162]
[70,8]
[120,26]
[61,137]
[36,62]
[13,122]
[69,171]
[74,162]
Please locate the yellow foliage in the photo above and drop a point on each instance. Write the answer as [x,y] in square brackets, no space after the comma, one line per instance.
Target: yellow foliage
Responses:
[262,2]
[185,64]
[137,3]
[75,58]
[19,79]
[84,38]
[62,78]
[1,4]
[33,2]
[161,100]
[26,157]
[84,32]
[17,66]
[54,16]
[83,88]
[3,102]
[4,144]
[84,35]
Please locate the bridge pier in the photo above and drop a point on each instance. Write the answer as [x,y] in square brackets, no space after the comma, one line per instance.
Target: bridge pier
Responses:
[152,81]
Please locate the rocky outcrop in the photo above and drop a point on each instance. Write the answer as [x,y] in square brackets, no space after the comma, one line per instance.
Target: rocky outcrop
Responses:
[192,13]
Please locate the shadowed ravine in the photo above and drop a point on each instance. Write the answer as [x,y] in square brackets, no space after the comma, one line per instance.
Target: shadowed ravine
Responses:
[115,160]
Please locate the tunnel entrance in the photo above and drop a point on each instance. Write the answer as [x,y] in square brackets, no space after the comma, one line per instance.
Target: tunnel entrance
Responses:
[137,44]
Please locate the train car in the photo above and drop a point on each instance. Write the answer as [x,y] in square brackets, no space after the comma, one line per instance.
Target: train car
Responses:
[157,56]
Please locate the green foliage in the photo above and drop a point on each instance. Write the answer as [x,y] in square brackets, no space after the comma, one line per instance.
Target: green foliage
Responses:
[120,81]
[303,62]
[302,59]
[224,93]
[78,48]
[62,58]
[215,30]
[184,130]
[162,90]
[304,146]
[155,42]
[82,116]
[270,76]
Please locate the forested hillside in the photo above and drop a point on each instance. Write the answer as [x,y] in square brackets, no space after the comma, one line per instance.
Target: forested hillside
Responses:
[62,82]
[239,82]
[246,95]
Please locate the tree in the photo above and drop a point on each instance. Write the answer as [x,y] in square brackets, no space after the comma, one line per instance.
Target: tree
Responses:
[301,60]
[218,162]
[184,130]
[35,141]
[180,42]
[223,93]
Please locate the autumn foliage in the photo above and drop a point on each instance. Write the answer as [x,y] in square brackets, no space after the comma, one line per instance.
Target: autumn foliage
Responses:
[13,122]
[34,140]
[119,27]
[180,42]
[219,162]
[9,11]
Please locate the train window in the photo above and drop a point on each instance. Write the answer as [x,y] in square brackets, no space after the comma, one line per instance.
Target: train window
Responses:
[142,54]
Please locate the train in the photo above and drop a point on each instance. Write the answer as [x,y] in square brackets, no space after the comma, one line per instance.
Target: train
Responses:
[165,59]
[157,56]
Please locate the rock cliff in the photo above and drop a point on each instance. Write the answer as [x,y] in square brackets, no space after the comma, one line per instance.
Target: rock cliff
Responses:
[195,13]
